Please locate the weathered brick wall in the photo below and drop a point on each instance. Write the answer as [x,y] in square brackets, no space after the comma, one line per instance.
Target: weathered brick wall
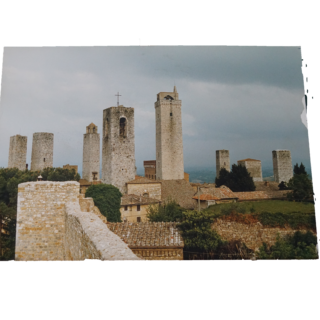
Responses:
[41,219]
[282,165]
[18,152]
[254,168]
[169,144]
[51,225]
[253,235]
[118,151]
[153,189]
[42,151]
[87,237]
[91,155]
[222,161]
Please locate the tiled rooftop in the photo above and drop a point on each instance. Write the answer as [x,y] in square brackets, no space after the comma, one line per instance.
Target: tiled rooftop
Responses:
[261,195]
[148,234]
[143,180]
[219,193]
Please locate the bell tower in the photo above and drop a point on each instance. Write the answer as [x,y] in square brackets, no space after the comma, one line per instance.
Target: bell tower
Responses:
[169,144]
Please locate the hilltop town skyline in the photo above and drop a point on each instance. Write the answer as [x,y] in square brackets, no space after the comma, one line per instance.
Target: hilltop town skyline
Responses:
[246,100]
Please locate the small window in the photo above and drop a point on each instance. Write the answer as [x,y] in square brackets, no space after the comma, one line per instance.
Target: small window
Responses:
[44,159]
[125,208]
[171,114]
[138,219]
[138,207]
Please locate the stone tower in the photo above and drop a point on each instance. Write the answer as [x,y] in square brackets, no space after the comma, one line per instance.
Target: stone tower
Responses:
[91,154]
[118,158]
[254,168]
[18,152]
[222,161]
[282,165]
[169,144]
[42,151]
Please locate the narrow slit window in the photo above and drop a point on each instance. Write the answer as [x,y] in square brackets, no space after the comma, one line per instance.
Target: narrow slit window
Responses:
[138,207]
[44,159]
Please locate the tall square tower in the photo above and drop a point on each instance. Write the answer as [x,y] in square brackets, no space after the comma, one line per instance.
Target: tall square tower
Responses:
[91,153]
[222,161]
[118,148]
[18,152]
[169,144]
[282,165]
[42,151]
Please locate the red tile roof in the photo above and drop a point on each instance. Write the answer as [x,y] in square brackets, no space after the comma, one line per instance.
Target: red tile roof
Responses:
[205,197]
[219,193]
[143,180]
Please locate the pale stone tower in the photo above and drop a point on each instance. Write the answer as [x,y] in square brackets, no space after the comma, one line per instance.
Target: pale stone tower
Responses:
[169,144]
[118,158]
[282,165]
[222,161]
[18,152]
[91,153]
[42,151]
[254,168]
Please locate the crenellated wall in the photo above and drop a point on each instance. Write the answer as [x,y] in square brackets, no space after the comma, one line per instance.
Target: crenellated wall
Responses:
[51,225]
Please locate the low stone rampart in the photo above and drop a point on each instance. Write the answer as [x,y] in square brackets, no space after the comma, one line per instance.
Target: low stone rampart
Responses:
[253,234]
[52,226]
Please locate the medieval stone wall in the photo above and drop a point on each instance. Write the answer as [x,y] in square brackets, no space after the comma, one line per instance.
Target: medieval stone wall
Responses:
[253,235]
[222,161]
[51,225]
[282,165]
[18,152]
[153,189]
[169,143]
[91,155]
[42,151]
[254,168]
[118,147]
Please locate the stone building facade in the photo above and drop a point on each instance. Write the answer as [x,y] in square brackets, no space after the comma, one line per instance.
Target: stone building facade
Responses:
[134,208]
[222,161]
[150,169]
[254,168]
[282,165]
[91,154]
[18,152]
[118,147]
[42,151]
[169,144]
[54,222]
[145,187]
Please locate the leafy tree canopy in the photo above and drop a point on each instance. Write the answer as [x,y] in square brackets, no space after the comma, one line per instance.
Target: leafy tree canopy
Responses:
[108,199]
[301,187]
[238,179]
[283,186]
[299,169]
[166,212]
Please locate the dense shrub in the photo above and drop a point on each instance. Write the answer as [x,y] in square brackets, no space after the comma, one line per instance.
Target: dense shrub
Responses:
[301,187]
[298,246]
[108,199]
[166,212]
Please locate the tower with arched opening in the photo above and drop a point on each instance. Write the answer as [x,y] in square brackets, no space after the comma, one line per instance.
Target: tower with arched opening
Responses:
[118,147]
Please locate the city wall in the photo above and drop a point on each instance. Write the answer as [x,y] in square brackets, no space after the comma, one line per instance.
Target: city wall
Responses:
[52,226]
[253,234]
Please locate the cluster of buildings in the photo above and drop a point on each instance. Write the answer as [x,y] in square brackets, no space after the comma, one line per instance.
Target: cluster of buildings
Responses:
[164,177]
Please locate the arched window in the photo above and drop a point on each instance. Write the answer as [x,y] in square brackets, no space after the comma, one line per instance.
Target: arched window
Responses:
[123,127]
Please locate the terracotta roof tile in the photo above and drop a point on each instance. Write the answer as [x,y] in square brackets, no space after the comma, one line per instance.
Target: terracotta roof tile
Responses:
[261,195]
[205,197]
[219,193]
[148,234]
[248,159]
[143,180]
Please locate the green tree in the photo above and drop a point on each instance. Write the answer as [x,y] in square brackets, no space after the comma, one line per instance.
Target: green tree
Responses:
[166,212]
[301,187]
[297,246]
[299,169]
[108,199]
[282,186]
[238,179]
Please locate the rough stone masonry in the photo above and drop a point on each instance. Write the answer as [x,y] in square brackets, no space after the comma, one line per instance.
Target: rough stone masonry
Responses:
[42,151]
[118,147]
[18,152]
[51,226]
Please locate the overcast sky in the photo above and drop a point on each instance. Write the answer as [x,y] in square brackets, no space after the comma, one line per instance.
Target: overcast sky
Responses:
[244,99]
